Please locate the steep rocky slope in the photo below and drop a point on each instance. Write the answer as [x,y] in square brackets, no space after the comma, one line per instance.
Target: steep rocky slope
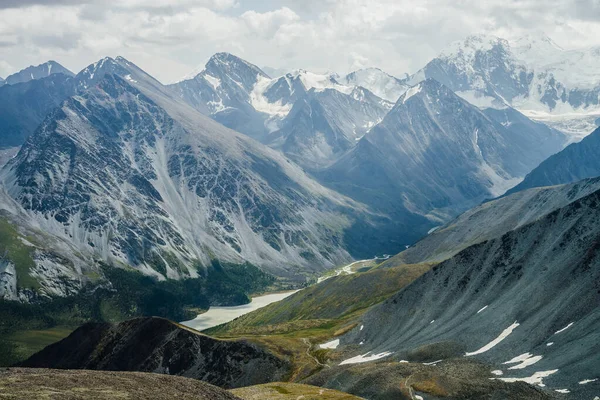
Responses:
[196,190]
[577,161]
[525,303]
[325,124]
[438,155]
[160,346]
[492,220]
[34,384]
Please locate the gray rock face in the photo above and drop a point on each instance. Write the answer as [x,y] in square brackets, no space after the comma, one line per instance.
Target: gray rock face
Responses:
[160,346]
[532,292]
[222,90]
[37,72]
[438,154]
[165,190]
[577,161]
[325,124]
[539,140]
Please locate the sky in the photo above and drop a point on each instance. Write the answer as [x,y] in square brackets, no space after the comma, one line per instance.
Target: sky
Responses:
[170,38]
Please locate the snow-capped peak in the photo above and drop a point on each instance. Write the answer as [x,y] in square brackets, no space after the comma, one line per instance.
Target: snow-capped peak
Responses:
[108,65]
[319,82]
[466,49]
[226,63]
[539,40]
[378,82]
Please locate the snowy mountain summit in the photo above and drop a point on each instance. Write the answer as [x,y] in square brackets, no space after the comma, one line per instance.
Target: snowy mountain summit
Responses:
[530,73]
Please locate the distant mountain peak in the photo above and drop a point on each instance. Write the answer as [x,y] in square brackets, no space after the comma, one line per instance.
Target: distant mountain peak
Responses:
[378,82]
[120,66]
[230,62]
[319,82]
[536,39]
[37,72]
[428,86]
[225,62]
[473,44]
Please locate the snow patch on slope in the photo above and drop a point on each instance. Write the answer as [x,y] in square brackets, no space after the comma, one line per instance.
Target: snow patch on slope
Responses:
[494,342]
[411,92]
[365,358]
[523,361]
[535,379]
[330,345]
[260,102]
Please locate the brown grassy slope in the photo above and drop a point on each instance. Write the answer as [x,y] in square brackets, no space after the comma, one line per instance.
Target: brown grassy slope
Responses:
[48,384]
[290,391]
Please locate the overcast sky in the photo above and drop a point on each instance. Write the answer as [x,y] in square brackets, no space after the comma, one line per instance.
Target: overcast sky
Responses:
[169,38]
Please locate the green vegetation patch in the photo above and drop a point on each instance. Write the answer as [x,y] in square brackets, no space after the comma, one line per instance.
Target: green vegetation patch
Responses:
[129,295]
[334,299]
[20,345]
[13,249]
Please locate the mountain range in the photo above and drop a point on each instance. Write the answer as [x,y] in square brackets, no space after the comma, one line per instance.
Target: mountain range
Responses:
[129,174]
[381,174]
[124,201]
[532,74]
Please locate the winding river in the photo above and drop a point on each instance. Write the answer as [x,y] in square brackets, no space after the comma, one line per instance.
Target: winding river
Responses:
[220,315]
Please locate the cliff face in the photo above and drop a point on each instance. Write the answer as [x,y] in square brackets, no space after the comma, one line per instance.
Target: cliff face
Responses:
[161,346]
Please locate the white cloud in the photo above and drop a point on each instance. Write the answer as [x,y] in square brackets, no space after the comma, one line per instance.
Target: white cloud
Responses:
[268,23]
[168,38]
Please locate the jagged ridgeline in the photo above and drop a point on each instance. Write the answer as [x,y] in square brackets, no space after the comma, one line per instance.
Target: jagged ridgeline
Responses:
[125,201]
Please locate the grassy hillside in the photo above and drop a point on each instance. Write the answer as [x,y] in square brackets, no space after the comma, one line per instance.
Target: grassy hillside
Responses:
[293,328]
[326,303]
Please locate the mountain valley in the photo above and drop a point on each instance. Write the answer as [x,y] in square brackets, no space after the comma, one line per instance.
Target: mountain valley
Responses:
[436,234]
